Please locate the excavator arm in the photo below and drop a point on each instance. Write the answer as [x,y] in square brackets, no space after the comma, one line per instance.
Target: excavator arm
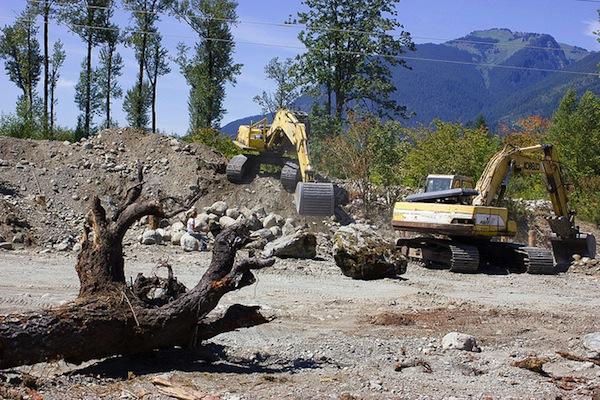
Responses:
[494,180]
[287,123]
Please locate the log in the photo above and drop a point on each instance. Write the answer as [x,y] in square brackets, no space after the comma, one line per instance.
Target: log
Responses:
[109,318]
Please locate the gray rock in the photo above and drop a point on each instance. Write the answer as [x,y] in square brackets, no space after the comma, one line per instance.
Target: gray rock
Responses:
[165,236]
[361,253]
[176,237]
[232,213]
[6,246]
[63,246]
[178,226]
[77,247]
[591,341]
[275,230]
[264,233]
[212,217]
[88,145]
[151,237]
[245,211]
[189,243]
[219,208]
[253,223]
[459,341]
[226,221]
[4,163]
[270,221]
[299,245]
[288,229]
[259,211]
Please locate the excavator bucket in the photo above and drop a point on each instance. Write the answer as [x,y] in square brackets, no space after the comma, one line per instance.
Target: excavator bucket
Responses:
[564,248]
[313,198]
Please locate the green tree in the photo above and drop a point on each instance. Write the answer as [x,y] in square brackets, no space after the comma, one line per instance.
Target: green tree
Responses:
[345,40]
[448,149]
[20,50]
[89,101]
[575,131]
[156,66]
[56,62]
[145,14]
[211,67]
[90,20]
[286,90]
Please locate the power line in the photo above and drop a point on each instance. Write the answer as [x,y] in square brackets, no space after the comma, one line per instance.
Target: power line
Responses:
[399,57]
[326,29]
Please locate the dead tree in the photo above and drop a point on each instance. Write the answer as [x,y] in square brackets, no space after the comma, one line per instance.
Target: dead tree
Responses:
[110,318]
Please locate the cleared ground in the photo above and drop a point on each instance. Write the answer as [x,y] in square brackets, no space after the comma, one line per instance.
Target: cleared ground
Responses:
[334,335]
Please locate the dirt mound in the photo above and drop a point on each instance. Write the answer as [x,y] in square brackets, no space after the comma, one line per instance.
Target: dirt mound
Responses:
[46,184]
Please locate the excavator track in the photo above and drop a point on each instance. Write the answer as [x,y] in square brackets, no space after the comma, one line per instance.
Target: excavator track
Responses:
[290,176]
[539,261]
[240,168]
[464,258]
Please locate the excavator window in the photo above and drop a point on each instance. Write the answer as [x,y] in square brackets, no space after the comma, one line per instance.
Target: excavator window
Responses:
[437,184]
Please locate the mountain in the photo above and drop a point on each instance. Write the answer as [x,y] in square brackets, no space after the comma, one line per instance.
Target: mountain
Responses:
[461,85]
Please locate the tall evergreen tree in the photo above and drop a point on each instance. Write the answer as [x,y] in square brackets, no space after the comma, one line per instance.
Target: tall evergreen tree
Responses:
[88,19]
[346,41]
[211,67]
[55,63]
[286,90]
[145,15]
[110,68]
[156,66]
[20,49]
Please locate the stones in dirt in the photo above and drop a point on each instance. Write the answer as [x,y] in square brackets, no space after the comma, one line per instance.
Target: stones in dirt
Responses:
[189,243]
[361,253]
[218,207]
[301,244]
[460,341]
[151,237]
[591,341]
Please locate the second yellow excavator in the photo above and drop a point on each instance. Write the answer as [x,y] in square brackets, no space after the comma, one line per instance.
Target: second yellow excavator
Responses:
[464,223]
[283,143]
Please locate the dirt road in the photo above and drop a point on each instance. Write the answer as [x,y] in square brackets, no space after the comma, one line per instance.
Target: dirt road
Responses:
[333,335]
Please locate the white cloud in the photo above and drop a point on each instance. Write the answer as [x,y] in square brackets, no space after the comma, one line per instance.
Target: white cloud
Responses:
[591,27]
[65,83]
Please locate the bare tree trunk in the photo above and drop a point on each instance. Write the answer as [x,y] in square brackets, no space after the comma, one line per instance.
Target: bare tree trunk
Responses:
[46,72]
[110,318]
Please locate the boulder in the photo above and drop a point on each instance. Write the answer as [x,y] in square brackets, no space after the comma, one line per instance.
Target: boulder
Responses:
[264,233]
[62,246]
[218,207]
[253,223]
[165,235]
[189,243]
[77,247]
[288,229]
[361,253]
[259,211]
[18,238]
[275,230]
[232,213]
[176,237]
[178,226]
[245,211]
[270,221]
[459,341]
[591,341]
[226,221]
[150,237]
[301,244]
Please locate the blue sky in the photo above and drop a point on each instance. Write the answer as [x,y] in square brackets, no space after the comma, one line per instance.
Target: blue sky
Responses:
[569,21]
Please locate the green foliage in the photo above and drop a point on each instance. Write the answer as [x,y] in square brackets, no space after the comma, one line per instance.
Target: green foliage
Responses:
[133,98]
[211,67]
[213,138]
[448,149]
[87,101]
[55,63]
[109,69]
[15,126]
[20,50]
[339,55]
[287,89]
[575,131]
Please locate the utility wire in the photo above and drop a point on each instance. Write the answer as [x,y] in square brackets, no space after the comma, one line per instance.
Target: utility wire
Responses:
[353,31]
[398,57]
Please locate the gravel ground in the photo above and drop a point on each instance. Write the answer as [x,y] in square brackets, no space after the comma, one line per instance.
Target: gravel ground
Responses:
[337,338]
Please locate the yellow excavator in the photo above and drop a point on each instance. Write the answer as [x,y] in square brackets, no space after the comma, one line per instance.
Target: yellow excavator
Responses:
[264,143]
[464,223]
